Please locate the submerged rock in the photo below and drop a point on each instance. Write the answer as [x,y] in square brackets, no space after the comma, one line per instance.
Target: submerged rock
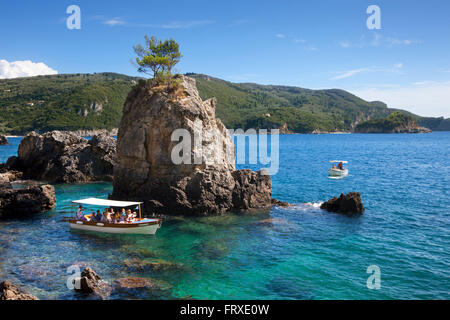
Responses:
[155,265]
[138,286]
[278,203]
[91,283]
[63,157]
[17,203]
[3,140]
[346,204]
[206,182]
[8,291]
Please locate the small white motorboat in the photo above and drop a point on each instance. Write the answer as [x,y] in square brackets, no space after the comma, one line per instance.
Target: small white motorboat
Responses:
[138,226]
[338,171]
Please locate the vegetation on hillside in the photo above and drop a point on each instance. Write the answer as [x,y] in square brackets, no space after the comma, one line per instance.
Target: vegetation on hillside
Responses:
[395,120]
[63,102]
[95,101]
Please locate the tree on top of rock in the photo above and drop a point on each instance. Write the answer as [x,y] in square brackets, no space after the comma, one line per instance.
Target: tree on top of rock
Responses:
[157,58]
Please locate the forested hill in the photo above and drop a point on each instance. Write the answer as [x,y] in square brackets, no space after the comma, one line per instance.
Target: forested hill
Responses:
[64,102]
[95,101]
[249,105]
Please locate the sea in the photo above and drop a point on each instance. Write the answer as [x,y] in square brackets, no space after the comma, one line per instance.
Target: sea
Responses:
[397,249]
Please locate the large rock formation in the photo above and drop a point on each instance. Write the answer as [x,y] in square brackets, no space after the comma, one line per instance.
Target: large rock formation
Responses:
[207,181]
[3,140]
[62,157]
[17,203]
[347,204]
[8,291]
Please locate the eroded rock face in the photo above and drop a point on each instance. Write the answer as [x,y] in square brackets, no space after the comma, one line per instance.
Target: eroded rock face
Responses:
[17,203]
[8,291]
[62,157]
[3,140]
[145,169]
[347,204]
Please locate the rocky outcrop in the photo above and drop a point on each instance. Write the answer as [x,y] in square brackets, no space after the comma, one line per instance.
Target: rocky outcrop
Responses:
[285,130]
[3,140]
[8,291]
[279,203]
[61,157]
[347,204]
[18,203]
[198,180]
[91,283]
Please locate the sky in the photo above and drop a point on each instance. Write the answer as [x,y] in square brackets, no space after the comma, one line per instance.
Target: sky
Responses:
[310,44]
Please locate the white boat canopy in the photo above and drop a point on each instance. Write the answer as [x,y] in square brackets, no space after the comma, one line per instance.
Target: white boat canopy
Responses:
[337,161]
[107,203]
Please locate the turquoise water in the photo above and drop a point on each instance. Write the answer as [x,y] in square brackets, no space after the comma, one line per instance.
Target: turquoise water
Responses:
[302,253]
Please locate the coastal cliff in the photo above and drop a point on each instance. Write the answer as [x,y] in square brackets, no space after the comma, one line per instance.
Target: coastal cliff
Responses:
[206,181]
[396,122]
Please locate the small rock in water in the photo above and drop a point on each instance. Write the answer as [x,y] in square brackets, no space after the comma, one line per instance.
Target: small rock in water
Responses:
[91,283]
[347,204]
[278,203]
[139,286]
[8,291]
[3,140]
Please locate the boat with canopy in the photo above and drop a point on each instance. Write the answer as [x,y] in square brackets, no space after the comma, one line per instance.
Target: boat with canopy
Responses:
[139,225]
[339,170]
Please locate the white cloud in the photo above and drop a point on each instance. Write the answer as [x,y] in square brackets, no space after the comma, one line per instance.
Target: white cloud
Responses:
[179,24]
[378,40]
[350,73]
[281,36]
[425,98]
[114,22]
[25,68]
[346,74]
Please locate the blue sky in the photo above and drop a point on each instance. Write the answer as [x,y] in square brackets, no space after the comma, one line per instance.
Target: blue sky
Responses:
[311,44]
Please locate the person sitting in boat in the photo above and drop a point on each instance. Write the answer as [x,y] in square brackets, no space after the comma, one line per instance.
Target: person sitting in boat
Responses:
[340,167]
[98,216]
[105,217]
[118,218]
[80,215]
[333,167]
[129,217]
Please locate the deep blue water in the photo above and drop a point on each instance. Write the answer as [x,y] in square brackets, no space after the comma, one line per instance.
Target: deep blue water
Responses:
[303,253]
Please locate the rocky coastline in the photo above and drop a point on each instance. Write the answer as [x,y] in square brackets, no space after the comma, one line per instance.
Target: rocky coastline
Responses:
[62,157]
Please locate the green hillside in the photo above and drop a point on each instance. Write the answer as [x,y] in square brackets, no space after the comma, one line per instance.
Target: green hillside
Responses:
[95,101]
[65,102]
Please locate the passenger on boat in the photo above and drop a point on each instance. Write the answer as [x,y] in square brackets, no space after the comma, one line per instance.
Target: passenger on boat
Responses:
[129,217]
[105,217]
[118,218]
[98,216]
[80,215]
[333,167]
[340,166]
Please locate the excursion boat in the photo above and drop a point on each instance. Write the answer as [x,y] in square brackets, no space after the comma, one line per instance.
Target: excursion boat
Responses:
[138,226]
[336,172]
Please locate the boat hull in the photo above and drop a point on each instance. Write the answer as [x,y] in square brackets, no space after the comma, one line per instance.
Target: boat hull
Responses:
[337,172]
[145,228]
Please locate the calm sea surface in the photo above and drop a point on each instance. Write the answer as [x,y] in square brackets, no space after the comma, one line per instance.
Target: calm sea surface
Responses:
[302,253]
